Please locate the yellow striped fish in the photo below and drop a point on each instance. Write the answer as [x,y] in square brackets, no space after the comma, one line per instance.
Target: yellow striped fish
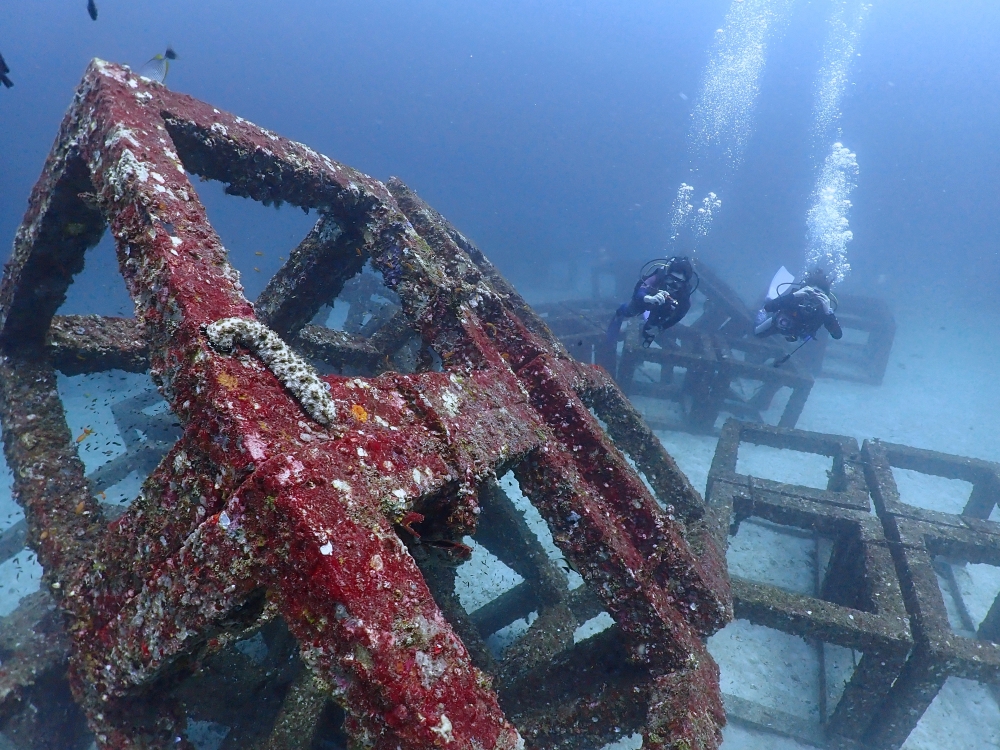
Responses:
[157,68]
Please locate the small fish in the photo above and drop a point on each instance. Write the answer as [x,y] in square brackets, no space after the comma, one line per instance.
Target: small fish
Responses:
[87,432]
[156,69]
[566,567]
[459,550]
[4,70]
[92,9]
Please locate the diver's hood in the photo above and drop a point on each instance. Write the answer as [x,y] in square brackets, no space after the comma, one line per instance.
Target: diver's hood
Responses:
[781,278]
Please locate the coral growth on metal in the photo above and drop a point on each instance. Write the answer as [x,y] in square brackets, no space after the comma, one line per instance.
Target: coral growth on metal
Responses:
[294,495]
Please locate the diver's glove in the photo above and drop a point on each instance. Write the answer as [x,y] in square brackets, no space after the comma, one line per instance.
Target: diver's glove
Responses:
[658,299]
[809,294]
[824,300]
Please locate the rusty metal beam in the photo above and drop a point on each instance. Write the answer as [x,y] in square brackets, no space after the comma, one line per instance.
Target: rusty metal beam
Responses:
[288,488]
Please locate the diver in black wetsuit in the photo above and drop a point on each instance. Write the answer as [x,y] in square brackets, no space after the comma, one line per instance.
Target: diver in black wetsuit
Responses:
[663,294]
[799,311]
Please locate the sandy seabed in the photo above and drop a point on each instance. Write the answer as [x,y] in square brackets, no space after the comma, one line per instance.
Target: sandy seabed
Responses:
[940,392]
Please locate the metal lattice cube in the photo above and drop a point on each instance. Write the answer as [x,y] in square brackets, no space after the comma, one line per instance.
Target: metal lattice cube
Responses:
[285,492]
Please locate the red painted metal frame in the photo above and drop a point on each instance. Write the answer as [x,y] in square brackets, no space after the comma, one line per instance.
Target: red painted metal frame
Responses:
[258,497]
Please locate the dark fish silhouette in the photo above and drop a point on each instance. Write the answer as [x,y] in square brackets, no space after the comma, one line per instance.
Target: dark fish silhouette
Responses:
[4,70]
[92,9]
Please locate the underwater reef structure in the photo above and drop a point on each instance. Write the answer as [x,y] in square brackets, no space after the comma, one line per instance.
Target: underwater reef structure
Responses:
[856,604]
[876,612]
[863,354]
[928,546]
[699,373]
[695,374]
[326,512]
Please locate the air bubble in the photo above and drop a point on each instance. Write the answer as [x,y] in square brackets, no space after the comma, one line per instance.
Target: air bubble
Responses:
[828,227]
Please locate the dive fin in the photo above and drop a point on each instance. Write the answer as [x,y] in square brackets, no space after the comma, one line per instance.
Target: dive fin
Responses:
[782,277]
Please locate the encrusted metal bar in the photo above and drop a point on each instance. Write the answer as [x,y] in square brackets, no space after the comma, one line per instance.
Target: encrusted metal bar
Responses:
[634,438]
[858,603]
[918,538]
[92,343]
[294,295]
[434,228]
[13,540]
[439,571]
[36,707]
[556,379]
[300,713]
[336,348]
[609,489]
[50,244]
[579,700]
[846,486]
[34,645]
[505,533]
[285,487]
[64,520]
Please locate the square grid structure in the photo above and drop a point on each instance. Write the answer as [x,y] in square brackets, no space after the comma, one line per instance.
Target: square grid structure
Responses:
[697,375]
[856,602]
[288,499]
[863,354]
[718,376]
[926,544]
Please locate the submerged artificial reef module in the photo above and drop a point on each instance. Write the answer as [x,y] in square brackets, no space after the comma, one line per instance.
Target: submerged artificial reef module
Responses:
[289,573]
[337,504]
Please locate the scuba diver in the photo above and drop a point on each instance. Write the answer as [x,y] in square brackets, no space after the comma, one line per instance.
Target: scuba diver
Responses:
[799,309]
[662,295]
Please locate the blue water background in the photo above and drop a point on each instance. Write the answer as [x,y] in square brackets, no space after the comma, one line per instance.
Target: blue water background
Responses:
[554,133]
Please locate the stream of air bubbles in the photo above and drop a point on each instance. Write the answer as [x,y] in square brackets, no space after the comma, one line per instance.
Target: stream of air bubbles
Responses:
[724,110]
[827,225]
